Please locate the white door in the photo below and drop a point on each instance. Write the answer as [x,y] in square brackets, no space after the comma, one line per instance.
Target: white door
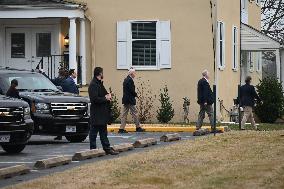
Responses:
[43,45]
[18,48]
[25,47]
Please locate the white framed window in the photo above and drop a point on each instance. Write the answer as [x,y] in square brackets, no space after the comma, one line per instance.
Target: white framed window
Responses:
[143,42]
[244,11]
[221,45]
[235,48]
[259,62]
[144,45]
[250,62]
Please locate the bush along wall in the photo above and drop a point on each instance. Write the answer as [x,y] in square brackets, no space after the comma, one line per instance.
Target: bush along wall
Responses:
[271,93]
[166,111]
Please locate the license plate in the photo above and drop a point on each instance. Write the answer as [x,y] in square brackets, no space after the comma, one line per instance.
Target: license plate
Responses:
[70,129]
[4,138]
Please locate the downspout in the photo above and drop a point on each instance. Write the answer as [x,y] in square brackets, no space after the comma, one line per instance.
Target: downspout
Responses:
[240,65]
[213,6]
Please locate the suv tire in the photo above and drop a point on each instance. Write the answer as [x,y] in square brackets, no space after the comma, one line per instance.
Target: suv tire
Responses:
[14,148]
[76,138]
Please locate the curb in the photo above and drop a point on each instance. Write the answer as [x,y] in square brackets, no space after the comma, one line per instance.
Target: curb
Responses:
[167,129]
[122,147]
[170,137]
[145,142]
[12,171]
[88,154]
[52,162]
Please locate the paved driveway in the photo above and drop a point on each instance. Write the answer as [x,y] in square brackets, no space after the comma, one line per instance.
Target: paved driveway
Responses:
[42,147]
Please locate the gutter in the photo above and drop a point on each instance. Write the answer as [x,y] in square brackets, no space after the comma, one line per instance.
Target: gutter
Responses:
[37,7]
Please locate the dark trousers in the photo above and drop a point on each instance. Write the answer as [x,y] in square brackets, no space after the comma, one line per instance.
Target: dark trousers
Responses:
[102,130]
[209,110]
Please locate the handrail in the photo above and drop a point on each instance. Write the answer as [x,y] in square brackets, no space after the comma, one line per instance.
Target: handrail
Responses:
[53,63]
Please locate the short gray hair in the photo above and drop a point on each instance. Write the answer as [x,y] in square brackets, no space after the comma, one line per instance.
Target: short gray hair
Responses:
[205,73]
[131,70]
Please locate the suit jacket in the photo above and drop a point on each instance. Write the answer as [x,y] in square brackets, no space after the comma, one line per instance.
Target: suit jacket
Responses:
[13,92]
[129,93]
[204,92]
[248,95]
[100,106]
[70,86]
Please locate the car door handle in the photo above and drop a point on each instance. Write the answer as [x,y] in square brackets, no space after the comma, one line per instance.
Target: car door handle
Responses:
[28,61]
[33,61]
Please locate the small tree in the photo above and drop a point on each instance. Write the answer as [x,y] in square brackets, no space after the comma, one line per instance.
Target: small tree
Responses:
[166,111]
[271,93]
[145,101]
[115,109]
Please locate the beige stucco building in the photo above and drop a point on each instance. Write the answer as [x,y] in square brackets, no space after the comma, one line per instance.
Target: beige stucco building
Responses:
[169,43]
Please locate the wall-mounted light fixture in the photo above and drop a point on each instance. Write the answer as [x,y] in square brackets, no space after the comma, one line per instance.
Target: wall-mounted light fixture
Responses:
[66,41]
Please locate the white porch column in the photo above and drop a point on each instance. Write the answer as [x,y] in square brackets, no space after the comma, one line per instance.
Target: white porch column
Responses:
[72,44]
[278,71]
[83,50]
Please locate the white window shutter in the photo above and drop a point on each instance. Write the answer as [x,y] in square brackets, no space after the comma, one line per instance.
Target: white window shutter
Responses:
[123,53]
[164,38]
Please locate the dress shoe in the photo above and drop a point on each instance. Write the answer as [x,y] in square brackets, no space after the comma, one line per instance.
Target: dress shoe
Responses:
[121,131]
[139,129]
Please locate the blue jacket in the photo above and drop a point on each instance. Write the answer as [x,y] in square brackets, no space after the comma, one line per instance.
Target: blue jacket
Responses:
[248,95]
[70,86]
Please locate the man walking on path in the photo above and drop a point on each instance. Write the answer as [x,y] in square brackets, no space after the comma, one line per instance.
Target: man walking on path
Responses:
[129,102]
[100,112]
[205,100]
[69,84]
[247,97]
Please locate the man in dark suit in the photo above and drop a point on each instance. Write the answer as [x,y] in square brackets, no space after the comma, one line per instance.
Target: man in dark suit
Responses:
[129,102]
[247,97]
[69,84]
[13,91]
[205,100]
[100,111]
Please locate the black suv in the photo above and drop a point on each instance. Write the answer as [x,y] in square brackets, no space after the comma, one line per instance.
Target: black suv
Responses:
[16,125]
[53,112]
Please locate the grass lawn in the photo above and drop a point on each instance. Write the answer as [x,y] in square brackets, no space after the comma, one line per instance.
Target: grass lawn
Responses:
[237,159]
[262,127]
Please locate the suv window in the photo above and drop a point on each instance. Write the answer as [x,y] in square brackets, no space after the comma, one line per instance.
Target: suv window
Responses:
[27,81]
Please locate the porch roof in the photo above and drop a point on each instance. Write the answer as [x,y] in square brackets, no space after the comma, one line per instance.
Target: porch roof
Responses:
[41,9]
[24,4]
[253,40]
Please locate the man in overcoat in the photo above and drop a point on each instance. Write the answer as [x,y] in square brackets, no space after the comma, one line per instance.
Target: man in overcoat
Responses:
[100,112]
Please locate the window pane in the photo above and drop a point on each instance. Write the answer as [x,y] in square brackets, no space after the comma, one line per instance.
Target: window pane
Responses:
[235,33]
[43,44]
[17,45]
[250,61]
[235,48]
[235,56]
[144,53]
[221,53]
[221,31]
[144,30]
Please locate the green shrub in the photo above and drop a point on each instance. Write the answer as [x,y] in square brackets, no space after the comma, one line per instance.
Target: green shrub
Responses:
[270,92]
[166,111]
